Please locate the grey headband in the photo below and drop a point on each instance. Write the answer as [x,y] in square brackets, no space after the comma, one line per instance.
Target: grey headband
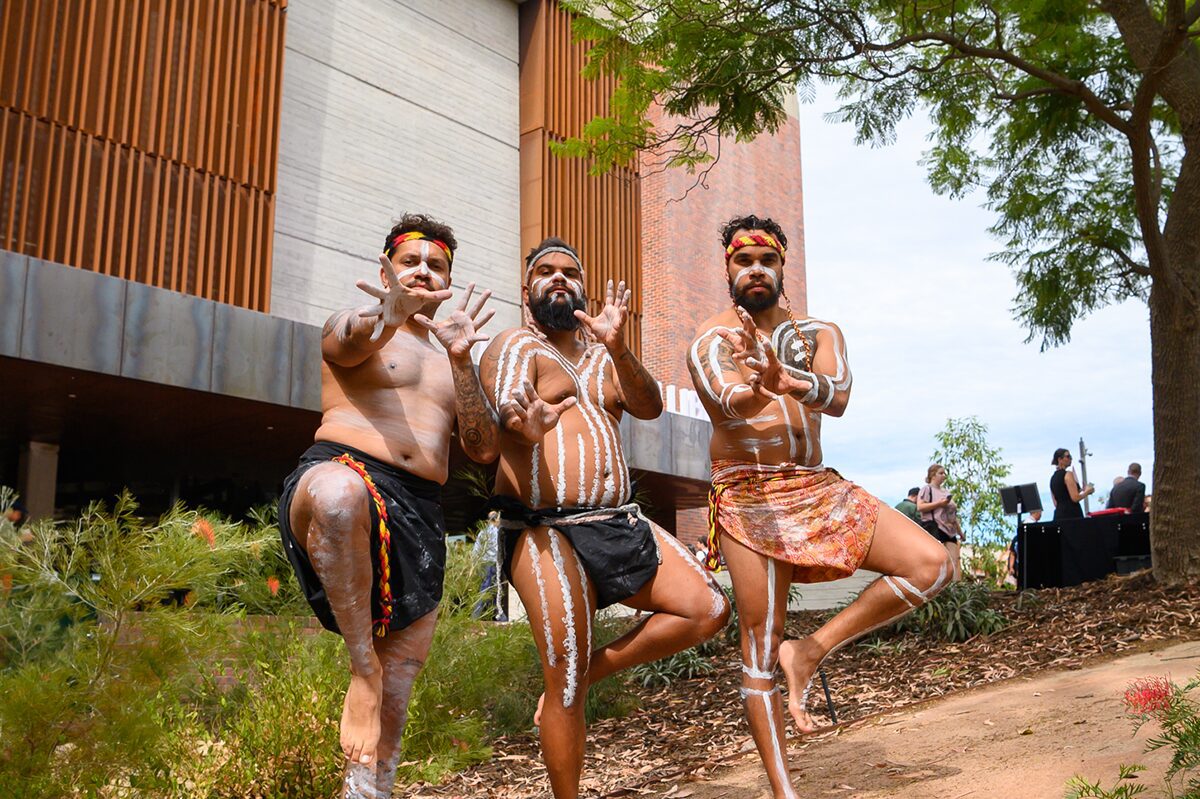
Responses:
[547,251]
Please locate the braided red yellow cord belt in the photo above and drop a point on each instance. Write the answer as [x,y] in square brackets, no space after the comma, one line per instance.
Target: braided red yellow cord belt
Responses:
[385,542]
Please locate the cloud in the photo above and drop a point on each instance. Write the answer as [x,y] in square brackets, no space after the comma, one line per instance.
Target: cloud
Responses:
[931,333]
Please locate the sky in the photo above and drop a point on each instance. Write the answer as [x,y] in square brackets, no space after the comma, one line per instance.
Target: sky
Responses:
[930,331]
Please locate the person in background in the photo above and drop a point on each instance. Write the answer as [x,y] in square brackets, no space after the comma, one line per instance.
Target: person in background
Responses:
[1129,492]
[1064,488]
[908,505]
[939,514]
[491,590]
[1035,516]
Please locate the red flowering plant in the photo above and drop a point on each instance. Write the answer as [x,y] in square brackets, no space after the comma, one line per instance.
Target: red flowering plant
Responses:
[1149,697]
[1171,707]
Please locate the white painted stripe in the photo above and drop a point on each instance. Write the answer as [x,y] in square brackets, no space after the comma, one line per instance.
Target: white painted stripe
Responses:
[541,584]
[570,646]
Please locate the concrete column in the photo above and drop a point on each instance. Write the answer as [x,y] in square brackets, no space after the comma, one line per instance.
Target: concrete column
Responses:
[37,478]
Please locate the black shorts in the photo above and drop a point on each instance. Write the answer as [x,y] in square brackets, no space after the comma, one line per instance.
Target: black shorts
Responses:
[416,556]
[616,546]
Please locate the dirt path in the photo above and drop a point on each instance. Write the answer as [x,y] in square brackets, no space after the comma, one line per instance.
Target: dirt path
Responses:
[1022,738]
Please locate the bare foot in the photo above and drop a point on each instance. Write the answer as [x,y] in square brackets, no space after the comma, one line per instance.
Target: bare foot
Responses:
[537,716]
[799,661]
[360,718]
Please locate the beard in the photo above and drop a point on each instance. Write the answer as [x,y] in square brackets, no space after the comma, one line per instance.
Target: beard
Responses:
[758,303]
[553,314]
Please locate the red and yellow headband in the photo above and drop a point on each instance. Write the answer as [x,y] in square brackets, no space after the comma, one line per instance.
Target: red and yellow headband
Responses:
[416,234]
[755,240]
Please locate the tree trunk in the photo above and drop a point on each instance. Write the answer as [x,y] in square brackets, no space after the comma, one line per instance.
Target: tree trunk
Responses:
[1175,364]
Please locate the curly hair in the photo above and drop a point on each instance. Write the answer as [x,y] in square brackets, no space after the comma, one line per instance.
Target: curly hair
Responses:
[423,223]
[752,222]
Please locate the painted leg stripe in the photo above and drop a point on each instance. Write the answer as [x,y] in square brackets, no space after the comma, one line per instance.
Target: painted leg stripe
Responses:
[541,584]
[896,590]
[749,671]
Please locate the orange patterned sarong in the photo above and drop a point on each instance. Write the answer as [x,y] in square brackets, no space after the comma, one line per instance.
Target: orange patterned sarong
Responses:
[814,519]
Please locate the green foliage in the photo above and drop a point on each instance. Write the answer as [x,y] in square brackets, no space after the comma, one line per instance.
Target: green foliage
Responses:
[1158,701]
[685,665]
[129,667]
[959,613]
[1041,105]
[1180,723]
[989,564]
[975,473]
[1127,786]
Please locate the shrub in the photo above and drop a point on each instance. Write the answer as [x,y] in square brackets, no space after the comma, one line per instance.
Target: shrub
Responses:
[127,668]
[685,665]
[960,612]
[1157,700]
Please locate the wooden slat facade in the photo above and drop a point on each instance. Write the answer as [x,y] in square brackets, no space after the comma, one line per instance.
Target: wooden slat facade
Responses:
[601,216]
[138,139]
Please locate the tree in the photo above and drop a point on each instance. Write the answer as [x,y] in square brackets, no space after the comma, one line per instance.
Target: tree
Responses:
[975,473]
[1078,119]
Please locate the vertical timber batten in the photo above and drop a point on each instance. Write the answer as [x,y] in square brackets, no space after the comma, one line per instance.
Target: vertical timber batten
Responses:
[598,215]
[138,139]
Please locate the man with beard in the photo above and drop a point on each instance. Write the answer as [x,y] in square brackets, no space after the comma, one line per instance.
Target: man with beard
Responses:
[361,516]
[573,539]
[777,514]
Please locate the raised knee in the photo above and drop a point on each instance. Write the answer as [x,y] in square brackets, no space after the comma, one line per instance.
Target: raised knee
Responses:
[337,497]
[935,573]
[715,617]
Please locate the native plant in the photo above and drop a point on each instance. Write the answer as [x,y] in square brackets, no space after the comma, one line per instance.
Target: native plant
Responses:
[130,665]
[959,613]
[1157,700]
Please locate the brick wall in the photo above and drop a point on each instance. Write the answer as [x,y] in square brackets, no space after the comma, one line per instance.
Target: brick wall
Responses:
[683,276]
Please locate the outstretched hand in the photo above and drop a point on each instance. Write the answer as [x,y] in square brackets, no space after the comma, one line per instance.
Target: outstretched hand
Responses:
[533,417]
[766,372]
[459,331]
[608,326]
[397,302]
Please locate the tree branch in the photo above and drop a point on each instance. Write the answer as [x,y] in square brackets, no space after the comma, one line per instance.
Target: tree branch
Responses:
[1130,264]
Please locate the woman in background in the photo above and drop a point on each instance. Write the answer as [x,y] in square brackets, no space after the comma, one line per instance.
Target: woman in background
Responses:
[939,514]
[1064,488]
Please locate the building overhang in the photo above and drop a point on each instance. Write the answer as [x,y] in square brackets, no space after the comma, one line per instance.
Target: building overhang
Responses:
[135,347]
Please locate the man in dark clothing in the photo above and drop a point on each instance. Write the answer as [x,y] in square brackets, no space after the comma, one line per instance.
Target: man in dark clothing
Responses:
[908,505]
[1129,493]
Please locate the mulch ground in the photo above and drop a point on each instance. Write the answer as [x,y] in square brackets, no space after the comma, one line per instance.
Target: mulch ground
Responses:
[683,732]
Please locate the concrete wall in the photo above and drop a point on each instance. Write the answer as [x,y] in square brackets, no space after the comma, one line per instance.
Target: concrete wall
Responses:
[391,106]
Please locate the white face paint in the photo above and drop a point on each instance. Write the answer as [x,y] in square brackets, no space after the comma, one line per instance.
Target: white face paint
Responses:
[758,270]
[422,269]
[541,285]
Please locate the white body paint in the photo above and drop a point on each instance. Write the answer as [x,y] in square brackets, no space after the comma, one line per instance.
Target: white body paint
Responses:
[720,603]
[541,584]
[570,646]
[609,483]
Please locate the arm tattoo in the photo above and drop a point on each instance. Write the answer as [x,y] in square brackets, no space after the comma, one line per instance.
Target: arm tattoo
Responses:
[638,387]
[477,423]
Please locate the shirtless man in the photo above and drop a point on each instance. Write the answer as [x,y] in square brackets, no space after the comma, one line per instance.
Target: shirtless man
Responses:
[361,517]
[573,540]
[765,379]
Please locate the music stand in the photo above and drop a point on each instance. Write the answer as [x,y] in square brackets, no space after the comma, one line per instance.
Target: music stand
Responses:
[1018,500]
